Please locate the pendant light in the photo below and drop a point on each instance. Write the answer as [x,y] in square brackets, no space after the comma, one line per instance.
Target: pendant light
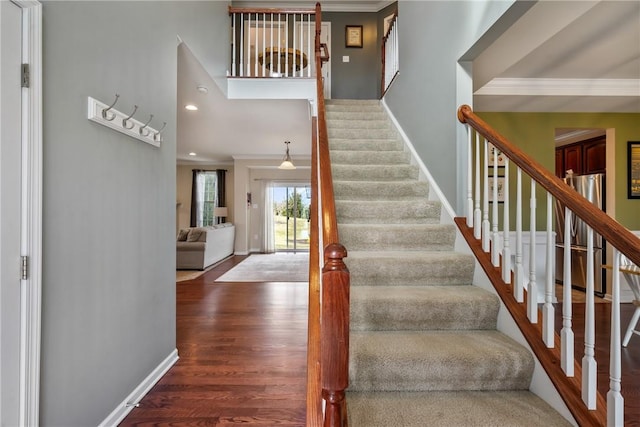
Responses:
[287,163]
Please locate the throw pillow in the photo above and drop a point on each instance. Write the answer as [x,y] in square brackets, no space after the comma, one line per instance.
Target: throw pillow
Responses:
[182,235]
[194,234]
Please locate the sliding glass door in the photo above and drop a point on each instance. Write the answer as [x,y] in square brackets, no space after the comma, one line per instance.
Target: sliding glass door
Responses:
[291,218]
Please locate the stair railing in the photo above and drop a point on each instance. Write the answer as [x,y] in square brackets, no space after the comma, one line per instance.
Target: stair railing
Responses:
[487,150]
[328,333]
[390,59]
[271,42]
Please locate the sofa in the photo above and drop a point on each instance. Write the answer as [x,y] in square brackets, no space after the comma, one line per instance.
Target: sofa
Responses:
[199,247]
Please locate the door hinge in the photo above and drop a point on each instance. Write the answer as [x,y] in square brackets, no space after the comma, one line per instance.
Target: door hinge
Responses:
[25,75]
[25,268]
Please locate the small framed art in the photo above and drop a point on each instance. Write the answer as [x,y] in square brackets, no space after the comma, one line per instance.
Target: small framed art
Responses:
[353,36]
[633,169]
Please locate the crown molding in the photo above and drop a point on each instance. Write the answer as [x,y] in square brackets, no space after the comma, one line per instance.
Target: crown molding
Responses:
[561,87]
[327,6]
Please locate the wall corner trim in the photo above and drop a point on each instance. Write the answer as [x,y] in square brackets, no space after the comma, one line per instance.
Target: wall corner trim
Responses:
[130,402]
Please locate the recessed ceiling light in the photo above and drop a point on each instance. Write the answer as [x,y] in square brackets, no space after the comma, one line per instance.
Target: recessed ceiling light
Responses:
[191,107]
[192,154]
[203,89]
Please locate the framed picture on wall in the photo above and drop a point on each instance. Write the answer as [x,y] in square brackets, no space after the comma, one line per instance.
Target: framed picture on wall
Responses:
[633,169]
[353,35]
[499,181]
[492,151]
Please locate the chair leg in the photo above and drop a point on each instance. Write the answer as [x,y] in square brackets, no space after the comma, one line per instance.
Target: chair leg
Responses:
[631,327]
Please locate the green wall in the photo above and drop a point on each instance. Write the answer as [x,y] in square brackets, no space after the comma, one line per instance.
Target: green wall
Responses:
[534,133]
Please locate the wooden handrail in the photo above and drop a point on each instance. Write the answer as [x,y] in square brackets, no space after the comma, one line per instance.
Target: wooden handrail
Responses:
[328,329]
[617,235]
[393,22]
[271,10]
[383,83]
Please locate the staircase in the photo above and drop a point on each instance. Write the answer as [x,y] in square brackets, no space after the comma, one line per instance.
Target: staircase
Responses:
[424,349]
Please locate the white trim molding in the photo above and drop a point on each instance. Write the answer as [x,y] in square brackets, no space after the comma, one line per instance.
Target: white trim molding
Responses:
[131,401]
[31,227]
[561,87]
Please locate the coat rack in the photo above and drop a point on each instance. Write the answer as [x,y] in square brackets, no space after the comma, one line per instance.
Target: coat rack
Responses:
[108,116]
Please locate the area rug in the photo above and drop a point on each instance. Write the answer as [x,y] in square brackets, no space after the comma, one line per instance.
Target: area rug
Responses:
[277,267]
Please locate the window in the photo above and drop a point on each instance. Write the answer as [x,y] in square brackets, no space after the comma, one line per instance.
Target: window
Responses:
[207,197]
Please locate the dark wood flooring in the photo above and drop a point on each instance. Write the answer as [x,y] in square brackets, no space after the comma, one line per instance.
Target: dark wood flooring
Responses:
[242,349]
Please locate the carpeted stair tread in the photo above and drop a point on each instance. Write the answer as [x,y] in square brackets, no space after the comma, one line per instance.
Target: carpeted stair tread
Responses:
[411,308]
[374,172]
[437,360]
[399,237]
[427,268]
[343,157]
[352,144]
[379,190]
[450,409]
[411,211]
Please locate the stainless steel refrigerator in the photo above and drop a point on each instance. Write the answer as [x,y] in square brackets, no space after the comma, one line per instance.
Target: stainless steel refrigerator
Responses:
[578,244]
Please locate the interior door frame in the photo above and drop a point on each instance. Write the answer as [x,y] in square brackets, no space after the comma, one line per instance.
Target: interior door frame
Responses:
[31,214]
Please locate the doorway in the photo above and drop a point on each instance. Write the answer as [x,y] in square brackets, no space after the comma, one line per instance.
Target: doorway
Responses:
[291,217]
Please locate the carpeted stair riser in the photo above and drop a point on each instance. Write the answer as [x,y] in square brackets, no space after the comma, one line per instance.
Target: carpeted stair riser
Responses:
[381,158]
[390,190]
[450,409]
[415,308]
[340,144]
[411,211]
[397,237]
[374,173]
[412,268]
[447,360]
[356,115]
[359,124]
[360,133]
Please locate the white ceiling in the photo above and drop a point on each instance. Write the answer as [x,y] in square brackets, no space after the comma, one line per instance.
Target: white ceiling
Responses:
[573,56]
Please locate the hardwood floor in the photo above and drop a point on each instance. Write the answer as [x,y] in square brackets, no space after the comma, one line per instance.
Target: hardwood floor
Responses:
[242,349]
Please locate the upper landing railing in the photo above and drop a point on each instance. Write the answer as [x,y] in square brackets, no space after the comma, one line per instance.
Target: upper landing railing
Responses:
[272,42]
[482,228]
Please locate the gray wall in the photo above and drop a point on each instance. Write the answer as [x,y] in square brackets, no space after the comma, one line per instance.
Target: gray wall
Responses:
[108,314]
[360,77]
[433,35]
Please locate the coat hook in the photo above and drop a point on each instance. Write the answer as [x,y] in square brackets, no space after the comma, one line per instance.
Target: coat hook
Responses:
[142,129]
[157,136]
[112,116]
[125,121]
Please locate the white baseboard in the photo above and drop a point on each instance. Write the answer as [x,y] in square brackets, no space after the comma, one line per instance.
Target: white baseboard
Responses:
[130,402]
[241,253]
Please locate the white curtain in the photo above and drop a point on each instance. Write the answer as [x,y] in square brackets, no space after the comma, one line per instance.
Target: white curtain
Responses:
[269,241]
[199,202]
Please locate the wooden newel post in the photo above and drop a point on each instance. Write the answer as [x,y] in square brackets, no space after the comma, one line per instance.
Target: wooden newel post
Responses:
[335,334]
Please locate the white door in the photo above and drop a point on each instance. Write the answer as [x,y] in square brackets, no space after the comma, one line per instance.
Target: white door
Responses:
[325,37]
[10,202]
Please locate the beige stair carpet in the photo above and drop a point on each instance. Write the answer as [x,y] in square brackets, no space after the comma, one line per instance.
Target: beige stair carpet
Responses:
[424,349]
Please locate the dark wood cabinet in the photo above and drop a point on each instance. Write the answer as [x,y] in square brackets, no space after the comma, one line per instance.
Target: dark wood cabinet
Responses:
[583,157]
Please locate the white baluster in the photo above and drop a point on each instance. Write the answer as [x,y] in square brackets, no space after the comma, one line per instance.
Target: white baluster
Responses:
[615,401]
[532,291]
[271,46]
[286,46]
[264,44]
[470,178]
[506,246]
[279,41]
[589,365]
[256,49]
[518,288]
[477,213]
[495,254]
[566,335]
[241,44]
[486,238]
[233,44]
[548,312]
[310,52]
